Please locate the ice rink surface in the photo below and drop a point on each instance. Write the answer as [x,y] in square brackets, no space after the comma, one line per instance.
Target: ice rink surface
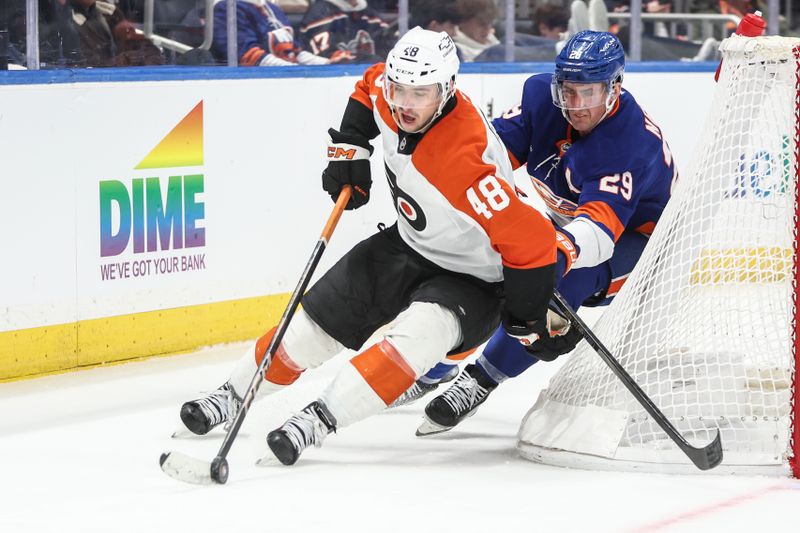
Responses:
[81,453]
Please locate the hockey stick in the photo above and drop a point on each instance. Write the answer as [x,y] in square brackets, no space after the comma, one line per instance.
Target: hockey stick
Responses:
[703,458]
[190,470]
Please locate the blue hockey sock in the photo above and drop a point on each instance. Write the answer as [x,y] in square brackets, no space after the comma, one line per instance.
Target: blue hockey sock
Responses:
[504,357]
[438,373]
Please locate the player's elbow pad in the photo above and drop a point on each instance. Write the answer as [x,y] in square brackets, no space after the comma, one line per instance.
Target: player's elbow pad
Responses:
[594,244]
[528,291]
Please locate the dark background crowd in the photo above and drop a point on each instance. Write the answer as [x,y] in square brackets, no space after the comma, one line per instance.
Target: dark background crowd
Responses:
[106,33]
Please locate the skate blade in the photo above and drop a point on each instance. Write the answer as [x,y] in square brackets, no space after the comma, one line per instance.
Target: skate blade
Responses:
[216,433]
[428,428]
[183,433]
[268,460]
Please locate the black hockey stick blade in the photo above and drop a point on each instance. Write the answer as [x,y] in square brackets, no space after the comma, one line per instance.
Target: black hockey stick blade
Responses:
[196,471]
[708,456]
[705,457]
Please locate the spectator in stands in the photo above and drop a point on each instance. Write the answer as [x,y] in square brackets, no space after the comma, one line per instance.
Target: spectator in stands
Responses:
[550,20]
[434,15]
[657,29]
[107,38]
[476,28]
[293,6]
[59,45]
[346,30]
[264,36]
[649,6]
[739,8]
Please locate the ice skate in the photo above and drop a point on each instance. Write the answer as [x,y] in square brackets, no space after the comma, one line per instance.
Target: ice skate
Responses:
[309,426]
[458,402]
[420,388]
[204,414]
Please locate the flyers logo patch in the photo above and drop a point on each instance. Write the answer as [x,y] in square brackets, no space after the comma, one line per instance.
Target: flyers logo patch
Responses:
[406,206]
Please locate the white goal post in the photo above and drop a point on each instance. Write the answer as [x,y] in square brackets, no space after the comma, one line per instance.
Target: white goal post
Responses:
[707,324]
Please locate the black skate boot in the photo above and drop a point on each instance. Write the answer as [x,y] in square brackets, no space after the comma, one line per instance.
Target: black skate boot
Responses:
[309,426]
[204,414]
[458,402]
[420,388]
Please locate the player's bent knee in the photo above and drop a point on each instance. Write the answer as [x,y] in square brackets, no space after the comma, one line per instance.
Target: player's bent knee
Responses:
[423,334]
[307,344]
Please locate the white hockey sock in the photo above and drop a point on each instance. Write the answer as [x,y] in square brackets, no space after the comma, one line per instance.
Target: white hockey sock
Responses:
[416,340]
[349,398]
[305,344]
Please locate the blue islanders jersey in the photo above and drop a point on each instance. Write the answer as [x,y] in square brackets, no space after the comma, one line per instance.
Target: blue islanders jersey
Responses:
[254,21]
[619,176]
[326,30]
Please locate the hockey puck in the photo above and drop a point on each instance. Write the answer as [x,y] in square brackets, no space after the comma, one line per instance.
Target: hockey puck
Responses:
[219,470]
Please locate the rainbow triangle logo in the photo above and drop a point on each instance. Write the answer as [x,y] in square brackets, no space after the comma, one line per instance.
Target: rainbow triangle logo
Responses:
[181,147]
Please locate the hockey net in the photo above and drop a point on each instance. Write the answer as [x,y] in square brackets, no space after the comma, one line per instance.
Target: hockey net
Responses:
[707,322]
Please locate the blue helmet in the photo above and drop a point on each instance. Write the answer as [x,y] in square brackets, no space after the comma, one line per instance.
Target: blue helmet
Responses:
[590,57]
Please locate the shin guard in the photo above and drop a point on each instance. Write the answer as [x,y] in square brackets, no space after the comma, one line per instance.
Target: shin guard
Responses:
[384,370]
[282,370]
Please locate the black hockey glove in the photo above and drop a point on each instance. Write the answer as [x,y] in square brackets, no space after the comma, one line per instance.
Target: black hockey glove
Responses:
[543,339]
[348,164]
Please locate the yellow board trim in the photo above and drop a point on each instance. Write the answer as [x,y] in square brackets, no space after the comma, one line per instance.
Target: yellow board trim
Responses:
[48,349]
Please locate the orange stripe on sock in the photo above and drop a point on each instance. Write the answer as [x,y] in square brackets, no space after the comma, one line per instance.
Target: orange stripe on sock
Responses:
[282,370]
[384,370]
[461,356]
[615,285]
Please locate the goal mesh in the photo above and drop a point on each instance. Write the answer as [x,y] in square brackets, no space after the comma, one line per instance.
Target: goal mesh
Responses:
[706,324]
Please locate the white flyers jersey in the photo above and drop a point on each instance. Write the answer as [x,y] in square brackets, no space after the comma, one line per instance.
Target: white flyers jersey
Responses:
[454,191]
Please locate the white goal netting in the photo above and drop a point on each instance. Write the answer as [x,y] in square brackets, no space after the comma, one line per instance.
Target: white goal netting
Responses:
[706,323]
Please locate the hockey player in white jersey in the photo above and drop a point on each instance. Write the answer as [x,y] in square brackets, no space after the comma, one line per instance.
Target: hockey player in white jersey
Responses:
[436,276]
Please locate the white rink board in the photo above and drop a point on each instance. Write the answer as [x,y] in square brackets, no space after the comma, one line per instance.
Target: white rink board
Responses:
[263,206]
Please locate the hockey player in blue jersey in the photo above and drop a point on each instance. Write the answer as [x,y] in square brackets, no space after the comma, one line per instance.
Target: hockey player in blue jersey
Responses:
[265,37]
[346,30]
[605,173]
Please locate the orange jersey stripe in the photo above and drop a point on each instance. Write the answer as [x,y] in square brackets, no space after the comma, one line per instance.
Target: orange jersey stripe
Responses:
[615,285]
[646,228]
[322,22]
[252,56]
[567,248]
[602,213]
[515,164]
[384,370]
[370,87]
[523,236]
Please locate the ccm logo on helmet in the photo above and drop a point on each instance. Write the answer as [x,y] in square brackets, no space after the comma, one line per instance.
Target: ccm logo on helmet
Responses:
[339,153]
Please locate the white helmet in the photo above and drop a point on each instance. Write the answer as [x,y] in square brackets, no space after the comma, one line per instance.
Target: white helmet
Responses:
[422,58]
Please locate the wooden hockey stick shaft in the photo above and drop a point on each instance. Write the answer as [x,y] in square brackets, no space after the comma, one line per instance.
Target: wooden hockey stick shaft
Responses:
[703,458]
[219,468]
